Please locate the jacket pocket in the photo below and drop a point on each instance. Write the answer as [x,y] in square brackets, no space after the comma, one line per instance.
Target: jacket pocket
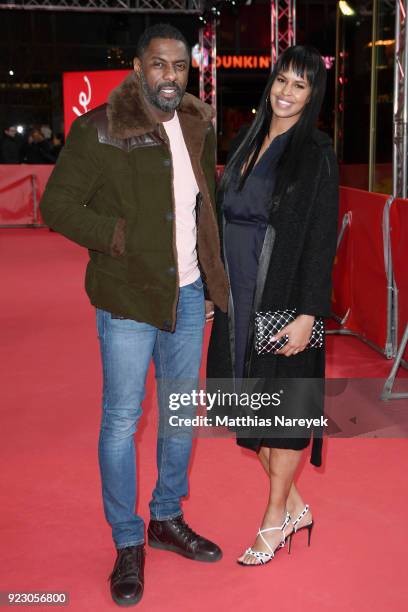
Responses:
[148,271]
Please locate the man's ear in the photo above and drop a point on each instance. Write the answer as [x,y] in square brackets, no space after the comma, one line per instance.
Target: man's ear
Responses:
[137,65]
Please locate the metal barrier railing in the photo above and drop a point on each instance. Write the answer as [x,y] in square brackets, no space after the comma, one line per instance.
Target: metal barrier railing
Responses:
[21,187]
[387,392]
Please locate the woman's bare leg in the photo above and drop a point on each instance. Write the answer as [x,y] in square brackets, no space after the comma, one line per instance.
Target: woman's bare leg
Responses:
[295,503]
[263,456]
[283,464]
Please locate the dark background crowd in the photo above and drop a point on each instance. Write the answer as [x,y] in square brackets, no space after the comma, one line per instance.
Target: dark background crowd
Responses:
[38,145]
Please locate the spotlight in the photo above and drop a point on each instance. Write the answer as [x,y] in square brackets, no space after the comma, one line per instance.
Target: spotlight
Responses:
[253,111]
[11,72]
[20,129]
[346,9]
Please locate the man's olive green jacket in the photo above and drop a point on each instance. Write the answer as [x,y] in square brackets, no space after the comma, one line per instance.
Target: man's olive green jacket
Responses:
[112,192]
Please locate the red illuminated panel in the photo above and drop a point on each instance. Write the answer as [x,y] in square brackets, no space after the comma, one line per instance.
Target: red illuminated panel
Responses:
[86,90]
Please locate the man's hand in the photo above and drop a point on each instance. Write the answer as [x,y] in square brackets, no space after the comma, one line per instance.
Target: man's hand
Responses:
[209,311]
[299,332]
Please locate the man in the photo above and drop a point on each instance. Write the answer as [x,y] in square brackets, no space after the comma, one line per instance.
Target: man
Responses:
[10,146]
[37,149]
[135,185]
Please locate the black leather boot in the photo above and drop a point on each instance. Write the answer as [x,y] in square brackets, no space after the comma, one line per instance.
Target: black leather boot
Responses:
[127,577]
[175,535]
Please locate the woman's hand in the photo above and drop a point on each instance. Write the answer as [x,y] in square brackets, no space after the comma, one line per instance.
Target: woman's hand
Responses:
[299,332]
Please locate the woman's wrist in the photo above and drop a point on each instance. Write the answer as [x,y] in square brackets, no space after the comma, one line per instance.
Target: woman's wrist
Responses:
[306,317]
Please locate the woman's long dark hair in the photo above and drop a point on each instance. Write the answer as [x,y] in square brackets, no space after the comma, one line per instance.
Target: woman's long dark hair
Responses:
[304,61]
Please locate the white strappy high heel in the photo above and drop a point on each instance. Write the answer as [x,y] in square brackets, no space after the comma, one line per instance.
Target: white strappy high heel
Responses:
[295,524]
[264,557]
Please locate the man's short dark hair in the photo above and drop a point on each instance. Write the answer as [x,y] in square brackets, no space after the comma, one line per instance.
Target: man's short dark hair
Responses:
[159,30]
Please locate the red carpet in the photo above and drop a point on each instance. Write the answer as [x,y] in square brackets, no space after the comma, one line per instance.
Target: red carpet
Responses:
[53,533]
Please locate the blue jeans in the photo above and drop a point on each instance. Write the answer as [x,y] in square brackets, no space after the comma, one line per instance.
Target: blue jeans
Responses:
[127,347]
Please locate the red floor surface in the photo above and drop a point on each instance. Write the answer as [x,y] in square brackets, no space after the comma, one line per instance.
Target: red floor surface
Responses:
[53,533]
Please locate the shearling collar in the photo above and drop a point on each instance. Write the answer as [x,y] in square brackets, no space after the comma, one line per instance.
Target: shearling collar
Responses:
[129,116]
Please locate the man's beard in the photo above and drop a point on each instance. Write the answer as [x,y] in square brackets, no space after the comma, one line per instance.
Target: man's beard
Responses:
[153,95]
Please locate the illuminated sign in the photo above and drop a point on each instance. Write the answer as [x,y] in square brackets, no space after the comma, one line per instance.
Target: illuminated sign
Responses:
[243,62]
[83,91]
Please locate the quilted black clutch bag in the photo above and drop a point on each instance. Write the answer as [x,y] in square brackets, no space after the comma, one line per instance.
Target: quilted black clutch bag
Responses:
[268,324]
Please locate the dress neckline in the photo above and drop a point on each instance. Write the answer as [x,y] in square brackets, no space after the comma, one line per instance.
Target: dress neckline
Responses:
[280,137]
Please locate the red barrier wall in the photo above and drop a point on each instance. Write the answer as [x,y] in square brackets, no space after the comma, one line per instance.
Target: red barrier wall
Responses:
[399,250]
[21,188]
[359,277]
[356,176]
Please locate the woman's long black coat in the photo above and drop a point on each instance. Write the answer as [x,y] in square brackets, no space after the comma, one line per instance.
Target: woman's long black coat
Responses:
[294,272]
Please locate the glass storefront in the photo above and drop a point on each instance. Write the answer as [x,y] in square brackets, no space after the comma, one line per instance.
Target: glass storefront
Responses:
[364,93]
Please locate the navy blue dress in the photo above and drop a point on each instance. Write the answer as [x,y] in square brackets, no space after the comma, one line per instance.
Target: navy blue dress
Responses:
[246,215]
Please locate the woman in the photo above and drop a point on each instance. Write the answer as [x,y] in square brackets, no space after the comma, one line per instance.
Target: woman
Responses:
[279,207]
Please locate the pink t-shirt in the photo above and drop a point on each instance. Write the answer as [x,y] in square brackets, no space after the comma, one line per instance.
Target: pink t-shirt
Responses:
[185,193]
